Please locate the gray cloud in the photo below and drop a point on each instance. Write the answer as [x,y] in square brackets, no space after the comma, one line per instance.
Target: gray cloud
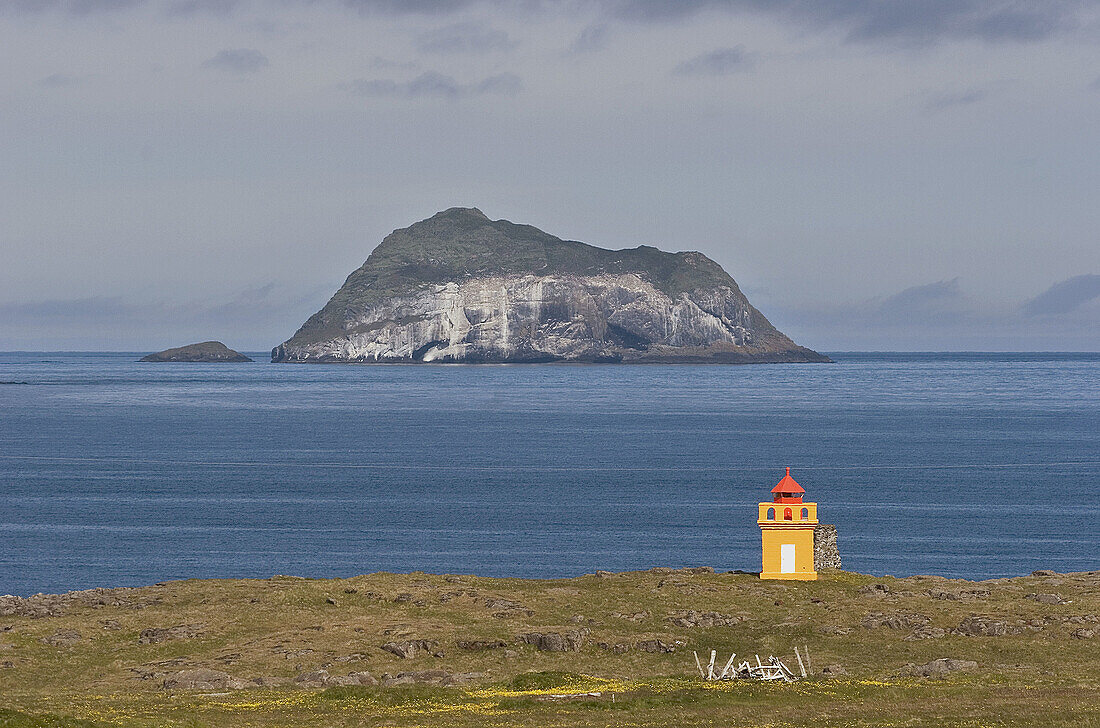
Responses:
[432,84]
[911,21]
[951,99]
[1064,297]
[716,63]
[60,80]
[593,38]
[183,8]
[366,7]
[905,21]
[253,319]
[410,7]
[1095,85]
[942,298]
[380,63]
[941,303]
[73,7]
[237,60]
[941,316]
[464,38]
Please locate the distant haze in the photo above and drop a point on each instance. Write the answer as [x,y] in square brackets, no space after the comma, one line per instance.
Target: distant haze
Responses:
[875,174]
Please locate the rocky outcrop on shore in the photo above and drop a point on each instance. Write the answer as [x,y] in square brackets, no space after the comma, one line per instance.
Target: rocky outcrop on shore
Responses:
[459,287]
[209,352]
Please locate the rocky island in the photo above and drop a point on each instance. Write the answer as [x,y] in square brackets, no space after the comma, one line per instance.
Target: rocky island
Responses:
[210,352]
[459,287]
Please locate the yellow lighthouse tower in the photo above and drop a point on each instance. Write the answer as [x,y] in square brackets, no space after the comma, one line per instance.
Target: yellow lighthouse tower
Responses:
[787,533]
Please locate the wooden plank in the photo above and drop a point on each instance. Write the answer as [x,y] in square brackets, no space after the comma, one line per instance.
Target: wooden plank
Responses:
[727,667]
[800,665]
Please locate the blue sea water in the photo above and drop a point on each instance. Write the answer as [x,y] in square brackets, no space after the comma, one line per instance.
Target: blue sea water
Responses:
[117,473]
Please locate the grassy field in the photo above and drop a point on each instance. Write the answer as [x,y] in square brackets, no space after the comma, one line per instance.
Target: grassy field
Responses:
[597,650]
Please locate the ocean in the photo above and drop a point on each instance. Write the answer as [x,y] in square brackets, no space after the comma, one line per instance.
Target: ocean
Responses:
[117,473]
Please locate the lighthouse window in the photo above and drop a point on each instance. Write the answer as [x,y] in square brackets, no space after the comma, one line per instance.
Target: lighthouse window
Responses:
[805,514]
[787,515]
[771,514]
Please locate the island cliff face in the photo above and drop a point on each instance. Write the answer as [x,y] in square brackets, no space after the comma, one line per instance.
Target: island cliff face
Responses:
[459,287]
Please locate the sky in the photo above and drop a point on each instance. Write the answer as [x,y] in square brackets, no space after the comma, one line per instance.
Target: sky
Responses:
[875,174]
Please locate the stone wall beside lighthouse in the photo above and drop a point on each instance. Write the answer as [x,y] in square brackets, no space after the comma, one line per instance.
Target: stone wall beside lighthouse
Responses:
[826,553]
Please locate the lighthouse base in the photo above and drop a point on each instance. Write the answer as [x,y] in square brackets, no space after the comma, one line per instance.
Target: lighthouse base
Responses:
[787,551]
[803,576]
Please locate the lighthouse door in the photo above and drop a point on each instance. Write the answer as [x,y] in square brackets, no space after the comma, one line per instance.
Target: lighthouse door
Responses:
[786,558]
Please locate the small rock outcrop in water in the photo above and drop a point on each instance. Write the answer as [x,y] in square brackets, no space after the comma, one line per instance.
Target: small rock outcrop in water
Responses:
[208,352]
[459,287]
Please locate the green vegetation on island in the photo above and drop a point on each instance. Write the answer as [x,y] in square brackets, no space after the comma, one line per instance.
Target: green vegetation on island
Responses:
[208,352]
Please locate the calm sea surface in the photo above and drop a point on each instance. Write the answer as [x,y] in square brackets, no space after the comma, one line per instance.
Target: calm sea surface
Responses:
[119,473]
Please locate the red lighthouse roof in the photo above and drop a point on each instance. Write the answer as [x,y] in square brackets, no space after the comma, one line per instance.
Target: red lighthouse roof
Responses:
[788,490]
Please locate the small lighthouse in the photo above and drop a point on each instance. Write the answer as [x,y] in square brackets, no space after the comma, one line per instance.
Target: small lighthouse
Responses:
[787,533]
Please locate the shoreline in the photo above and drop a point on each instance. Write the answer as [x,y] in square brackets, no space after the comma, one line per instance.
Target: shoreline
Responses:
[599,573]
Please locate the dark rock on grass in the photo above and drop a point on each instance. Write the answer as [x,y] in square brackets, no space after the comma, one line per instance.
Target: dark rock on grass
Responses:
[409,649]
[156,635]
[479,645]
[926,633]
[1047,598]
[41,606]
[1044,572]
[631,617]
[162,668]
[655,646]
[1083,633]
[508,608]
[206,352]
[353,657]
[1079,619]
[834,629]
[430,677]
[63,638]
[941,667]
[617,648]
[898,620]
[980,626]
[321,678]
[692,618]
[960,595]
[833,670]
[571,641]
[877,588]
[202,679]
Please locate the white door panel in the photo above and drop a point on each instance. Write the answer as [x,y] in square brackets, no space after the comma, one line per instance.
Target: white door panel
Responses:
[786,558]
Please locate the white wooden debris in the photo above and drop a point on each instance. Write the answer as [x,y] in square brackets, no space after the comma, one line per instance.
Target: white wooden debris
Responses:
[772,669]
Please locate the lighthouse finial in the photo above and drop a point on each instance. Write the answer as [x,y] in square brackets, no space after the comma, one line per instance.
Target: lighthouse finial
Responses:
[788,470]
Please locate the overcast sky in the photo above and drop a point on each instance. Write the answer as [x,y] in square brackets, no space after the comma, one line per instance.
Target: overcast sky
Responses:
[876,174]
